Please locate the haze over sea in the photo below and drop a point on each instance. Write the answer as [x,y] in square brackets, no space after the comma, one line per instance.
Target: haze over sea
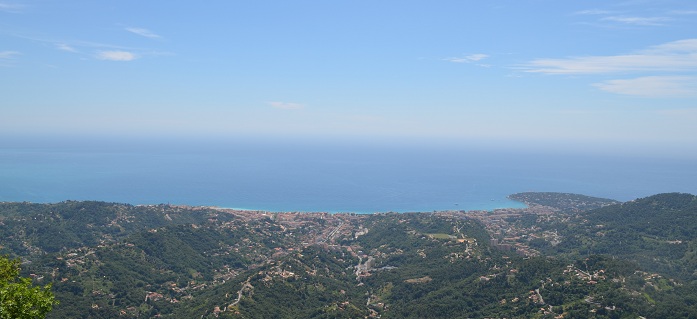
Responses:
[324,176]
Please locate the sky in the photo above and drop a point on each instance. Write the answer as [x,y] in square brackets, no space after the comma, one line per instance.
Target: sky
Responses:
[602,75]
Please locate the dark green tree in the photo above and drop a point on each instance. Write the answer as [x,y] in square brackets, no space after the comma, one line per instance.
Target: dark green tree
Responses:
[19,299]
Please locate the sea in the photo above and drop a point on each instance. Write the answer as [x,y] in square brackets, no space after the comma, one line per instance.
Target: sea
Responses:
[330,177]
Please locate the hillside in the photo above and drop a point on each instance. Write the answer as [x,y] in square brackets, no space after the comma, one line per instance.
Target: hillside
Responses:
[34,229]
[659,232]
[109,260]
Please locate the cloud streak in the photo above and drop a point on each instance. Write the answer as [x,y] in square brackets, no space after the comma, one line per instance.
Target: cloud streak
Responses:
[667,70]
[642,21]
[10,7]
[5,55]
[116,55]
[629,17]
[65,47]
[144,33]
[97,50]
[683,12]
[468,58]
[677,56]
[7,58]
[652,86]
[286,105]
[592,12]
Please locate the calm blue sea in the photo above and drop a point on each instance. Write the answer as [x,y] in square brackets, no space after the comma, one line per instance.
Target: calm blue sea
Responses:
[324,177]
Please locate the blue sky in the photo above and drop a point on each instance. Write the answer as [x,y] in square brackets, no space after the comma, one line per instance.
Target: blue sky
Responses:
[602,75]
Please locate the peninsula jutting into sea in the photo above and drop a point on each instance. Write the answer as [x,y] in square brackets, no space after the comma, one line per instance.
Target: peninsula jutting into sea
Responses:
[558,256]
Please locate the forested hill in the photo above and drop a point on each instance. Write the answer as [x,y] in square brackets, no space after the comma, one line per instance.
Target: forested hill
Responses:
[659,232]
[108,260]
[672,215]
[31,229]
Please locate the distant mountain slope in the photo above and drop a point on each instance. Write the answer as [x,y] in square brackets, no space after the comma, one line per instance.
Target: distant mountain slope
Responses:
[35,229]
[672,215]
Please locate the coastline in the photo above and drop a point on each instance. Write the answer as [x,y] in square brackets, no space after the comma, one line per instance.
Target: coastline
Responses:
[455,207]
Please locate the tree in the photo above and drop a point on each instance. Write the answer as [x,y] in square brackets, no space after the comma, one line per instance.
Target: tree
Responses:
[19,299]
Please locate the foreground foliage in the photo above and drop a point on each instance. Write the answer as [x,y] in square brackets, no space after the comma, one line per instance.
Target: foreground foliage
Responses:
[19,299]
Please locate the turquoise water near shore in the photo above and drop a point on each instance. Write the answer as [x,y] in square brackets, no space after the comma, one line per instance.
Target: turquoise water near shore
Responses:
[328,178]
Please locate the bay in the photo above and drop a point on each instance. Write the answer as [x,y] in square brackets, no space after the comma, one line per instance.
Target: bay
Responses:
[325,177]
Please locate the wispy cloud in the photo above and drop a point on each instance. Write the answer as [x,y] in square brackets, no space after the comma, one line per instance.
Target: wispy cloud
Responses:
[287,105]
[593,12]
[683,12]
[7,58]
[116,55]
[144,33]
[74,43]
[468,58]
[94,50]
[688,46]
[642,21]
[652,86]
[680,56]
[65,47]
[11,7]
[633,15]
[8,54]
[666,70]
